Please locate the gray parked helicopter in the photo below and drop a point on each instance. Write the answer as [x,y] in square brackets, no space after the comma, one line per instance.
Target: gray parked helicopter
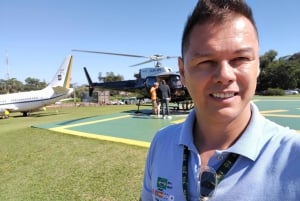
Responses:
[144,79]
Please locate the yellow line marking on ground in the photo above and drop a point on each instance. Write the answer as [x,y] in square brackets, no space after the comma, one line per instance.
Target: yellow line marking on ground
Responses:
[282,115]
[272,111]
[178,121]
[93,122]
[102,137]
[275,100]
[64,129]
[269,114]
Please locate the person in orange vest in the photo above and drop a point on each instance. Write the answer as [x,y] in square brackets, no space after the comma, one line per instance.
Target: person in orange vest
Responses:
[153,95]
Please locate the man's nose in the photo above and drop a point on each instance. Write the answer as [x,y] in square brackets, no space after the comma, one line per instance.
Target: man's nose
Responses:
[224,73]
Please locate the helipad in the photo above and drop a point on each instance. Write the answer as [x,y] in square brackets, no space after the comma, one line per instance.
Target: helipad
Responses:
[139,129]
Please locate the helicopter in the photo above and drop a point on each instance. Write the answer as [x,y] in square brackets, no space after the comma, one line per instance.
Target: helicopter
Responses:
[145,79]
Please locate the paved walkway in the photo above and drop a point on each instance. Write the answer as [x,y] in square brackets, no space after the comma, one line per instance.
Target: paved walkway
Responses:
[139,129]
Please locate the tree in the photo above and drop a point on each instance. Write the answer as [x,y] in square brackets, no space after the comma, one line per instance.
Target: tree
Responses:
[111,77]
[282,73]
[13,85]
[3,87]
[33,84]
[267,58]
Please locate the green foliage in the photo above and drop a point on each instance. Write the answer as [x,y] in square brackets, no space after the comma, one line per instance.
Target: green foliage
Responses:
[274,92]
[111,77]
[267,58]
[283,73]
[10,86]
[13,85]
[34,84]
[79,90]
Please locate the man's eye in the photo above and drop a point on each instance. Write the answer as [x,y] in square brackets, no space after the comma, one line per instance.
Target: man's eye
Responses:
[207,63]
[239,60]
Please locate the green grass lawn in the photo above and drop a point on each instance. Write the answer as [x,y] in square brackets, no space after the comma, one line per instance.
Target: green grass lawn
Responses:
[37,164]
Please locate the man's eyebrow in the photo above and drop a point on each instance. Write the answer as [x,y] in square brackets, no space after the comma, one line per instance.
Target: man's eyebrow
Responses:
[201,54]
[245,50]
[208,54]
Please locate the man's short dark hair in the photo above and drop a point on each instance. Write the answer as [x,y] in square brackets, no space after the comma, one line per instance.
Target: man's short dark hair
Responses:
[215,11]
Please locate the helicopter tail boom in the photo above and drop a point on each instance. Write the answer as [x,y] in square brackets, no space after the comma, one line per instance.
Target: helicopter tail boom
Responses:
[91,87]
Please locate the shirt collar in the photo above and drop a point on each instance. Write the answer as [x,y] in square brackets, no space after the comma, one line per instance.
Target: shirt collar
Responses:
[253,138]
[186,132]
[249,144]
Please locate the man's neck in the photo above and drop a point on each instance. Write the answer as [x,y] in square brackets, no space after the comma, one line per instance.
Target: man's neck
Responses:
[213,135]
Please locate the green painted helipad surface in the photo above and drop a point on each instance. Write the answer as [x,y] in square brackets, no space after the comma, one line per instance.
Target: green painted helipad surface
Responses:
[139,129]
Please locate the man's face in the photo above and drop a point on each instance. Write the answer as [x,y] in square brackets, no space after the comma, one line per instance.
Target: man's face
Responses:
[220,67]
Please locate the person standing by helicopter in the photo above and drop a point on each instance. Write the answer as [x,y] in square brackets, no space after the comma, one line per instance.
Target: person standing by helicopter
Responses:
[164,95]
[153,96]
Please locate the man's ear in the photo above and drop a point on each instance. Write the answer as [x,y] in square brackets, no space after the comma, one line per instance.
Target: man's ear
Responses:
[181,69]
[258,72]
[258,69]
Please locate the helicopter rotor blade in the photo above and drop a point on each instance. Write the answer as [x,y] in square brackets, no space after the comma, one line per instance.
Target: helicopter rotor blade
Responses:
[110,53]
[142,63]
[155,57]
[171,57]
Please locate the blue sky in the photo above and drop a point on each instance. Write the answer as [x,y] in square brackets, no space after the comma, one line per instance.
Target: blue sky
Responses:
[38,34]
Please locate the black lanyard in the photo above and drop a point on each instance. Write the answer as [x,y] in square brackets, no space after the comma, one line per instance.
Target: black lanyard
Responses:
[220,173]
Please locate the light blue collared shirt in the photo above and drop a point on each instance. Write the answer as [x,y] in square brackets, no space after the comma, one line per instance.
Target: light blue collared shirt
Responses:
[268,168]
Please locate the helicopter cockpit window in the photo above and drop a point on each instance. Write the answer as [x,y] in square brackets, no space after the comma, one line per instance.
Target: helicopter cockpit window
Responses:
[176,82]
[150,81]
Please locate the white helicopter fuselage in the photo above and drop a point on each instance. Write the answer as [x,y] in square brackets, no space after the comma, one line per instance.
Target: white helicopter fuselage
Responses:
[147,72]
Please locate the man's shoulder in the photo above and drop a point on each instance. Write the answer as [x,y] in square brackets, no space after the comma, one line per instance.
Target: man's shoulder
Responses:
[166,142]
[171,129]
[282,138]
[169,133]
[286,135]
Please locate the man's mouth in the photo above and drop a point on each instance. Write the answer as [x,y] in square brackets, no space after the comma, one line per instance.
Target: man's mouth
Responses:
[224,95]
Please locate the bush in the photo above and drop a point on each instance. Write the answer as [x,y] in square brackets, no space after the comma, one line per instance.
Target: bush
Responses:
[274,92]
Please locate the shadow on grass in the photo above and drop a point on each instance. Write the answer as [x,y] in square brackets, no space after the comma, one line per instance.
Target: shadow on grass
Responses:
[38,115]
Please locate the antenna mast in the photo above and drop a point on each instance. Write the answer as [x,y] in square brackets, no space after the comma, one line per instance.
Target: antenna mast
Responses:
[7,66]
